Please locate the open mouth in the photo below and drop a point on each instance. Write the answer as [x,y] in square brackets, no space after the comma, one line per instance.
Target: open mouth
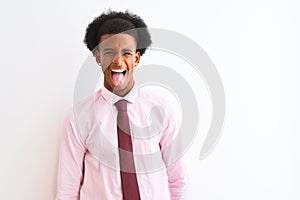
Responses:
[114,71]
[117,76]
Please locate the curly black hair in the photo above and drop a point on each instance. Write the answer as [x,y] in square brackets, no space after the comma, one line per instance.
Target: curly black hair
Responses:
[113,22]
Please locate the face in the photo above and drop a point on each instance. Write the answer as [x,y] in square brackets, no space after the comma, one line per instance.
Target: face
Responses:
[118,57]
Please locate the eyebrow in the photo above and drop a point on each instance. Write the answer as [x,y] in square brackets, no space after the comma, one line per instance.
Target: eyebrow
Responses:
[110,49]
[127,49]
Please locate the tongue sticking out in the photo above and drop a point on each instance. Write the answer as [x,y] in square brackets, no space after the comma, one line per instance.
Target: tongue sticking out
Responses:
[117,78]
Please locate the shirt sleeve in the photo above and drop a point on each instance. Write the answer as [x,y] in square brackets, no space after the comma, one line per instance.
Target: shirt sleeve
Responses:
[172,151]
[71,158]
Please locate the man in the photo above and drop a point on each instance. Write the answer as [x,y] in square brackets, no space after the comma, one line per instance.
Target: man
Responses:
[117,144]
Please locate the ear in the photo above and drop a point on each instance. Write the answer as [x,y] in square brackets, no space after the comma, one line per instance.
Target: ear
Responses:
[98,58]
[137,58]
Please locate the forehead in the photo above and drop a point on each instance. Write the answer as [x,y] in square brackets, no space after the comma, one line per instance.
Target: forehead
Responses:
[116,41]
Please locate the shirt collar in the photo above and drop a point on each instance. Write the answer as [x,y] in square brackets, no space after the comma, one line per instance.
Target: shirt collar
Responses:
[111,98]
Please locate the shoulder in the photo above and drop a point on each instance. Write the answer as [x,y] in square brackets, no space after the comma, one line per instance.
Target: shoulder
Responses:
[159,95]
[85,107]
[82,112]
[156,93]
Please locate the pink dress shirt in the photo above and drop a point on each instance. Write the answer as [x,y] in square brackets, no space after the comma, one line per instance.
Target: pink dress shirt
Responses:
[89,162]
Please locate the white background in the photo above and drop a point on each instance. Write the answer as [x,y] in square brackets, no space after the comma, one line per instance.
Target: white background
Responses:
[254,45]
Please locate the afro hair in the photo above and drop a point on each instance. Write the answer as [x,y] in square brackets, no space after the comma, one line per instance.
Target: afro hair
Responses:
[113,22]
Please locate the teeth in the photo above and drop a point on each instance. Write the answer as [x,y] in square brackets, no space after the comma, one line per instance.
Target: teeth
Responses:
[118,70]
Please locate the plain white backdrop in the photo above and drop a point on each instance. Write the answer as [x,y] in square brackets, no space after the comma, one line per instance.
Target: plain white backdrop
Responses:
[255,46]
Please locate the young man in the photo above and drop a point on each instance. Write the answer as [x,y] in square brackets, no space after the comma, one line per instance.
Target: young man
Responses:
[108,149]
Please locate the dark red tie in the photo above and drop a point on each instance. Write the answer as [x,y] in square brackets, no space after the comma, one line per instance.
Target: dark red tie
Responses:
[130,188]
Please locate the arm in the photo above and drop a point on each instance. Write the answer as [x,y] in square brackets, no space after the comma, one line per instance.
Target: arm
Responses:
[172,150]
[70,168]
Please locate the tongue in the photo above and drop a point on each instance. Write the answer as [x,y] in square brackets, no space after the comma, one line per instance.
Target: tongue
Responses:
[117,78]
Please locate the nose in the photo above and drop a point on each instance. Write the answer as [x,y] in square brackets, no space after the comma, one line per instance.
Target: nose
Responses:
[118,59]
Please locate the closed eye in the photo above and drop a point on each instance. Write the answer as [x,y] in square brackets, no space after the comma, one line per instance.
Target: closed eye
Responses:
[108,53]
[127,53]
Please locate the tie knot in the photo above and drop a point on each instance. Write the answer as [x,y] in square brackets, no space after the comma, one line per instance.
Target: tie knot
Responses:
[121,105]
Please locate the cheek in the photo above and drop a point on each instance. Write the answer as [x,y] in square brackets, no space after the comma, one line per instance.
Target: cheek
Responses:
[106,61]
[104,68]
[131,63]
[104,65]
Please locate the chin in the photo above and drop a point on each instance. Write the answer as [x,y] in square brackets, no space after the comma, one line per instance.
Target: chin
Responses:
[118,88]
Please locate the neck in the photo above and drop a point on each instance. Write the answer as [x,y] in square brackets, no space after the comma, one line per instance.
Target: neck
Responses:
[121,92]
